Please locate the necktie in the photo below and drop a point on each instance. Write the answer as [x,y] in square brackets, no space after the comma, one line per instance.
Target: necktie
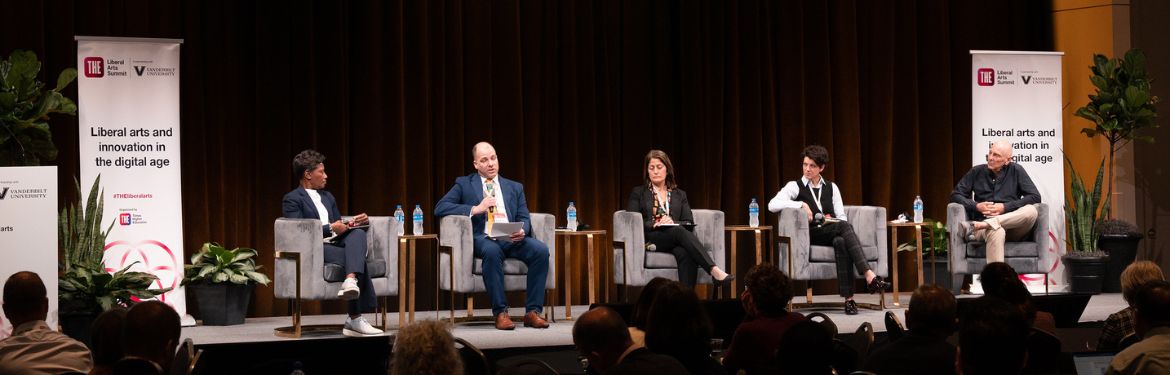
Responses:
[491,217]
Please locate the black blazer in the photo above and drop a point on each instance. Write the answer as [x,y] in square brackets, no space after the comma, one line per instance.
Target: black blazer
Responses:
[298,205]
[642,200]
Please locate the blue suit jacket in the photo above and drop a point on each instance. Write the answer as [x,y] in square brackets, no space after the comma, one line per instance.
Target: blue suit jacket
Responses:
[298,205]
[468,192]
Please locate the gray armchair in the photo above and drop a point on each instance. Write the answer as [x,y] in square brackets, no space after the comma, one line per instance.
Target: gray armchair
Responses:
[301,272]
[466,271]
[1028,256]
[635,266]
[804,261]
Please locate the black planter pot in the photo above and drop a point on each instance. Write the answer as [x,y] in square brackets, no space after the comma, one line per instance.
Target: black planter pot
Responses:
[1086,274]
[1122,250]
[76,325]
[941,274]
[223,304]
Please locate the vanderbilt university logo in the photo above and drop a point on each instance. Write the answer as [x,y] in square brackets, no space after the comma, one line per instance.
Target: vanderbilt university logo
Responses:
[4,193]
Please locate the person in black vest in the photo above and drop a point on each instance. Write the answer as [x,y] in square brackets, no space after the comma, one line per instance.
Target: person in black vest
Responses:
[821,201]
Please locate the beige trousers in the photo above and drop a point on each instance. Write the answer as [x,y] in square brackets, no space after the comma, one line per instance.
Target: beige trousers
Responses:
[1012,226]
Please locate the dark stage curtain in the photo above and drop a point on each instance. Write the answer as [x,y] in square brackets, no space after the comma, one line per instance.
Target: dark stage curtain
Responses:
[572,94]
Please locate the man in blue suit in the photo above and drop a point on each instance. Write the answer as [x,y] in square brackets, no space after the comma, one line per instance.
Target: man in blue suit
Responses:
[346,245]
[488,198]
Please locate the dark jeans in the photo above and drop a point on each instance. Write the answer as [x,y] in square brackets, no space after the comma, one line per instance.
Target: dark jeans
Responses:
[688,251]
[349,251]
[847,249]
[531,251]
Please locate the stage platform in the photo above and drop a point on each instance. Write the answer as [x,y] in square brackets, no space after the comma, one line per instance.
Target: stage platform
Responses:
[253,348]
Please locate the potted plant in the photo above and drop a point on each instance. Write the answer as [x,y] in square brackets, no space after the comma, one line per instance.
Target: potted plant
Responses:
[85,288]
[1086,264]
[223,281]
[25,107]
[935,251]
[1120,109]
[1119,239]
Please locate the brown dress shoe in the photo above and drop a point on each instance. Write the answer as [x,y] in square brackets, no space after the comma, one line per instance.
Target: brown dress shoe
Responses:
[532,319]
[504,322]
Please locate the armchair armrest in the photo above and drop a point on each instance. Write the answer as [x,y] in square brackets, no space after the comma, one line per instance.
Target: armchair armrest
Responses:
[957,244]
[709,229]
[298,236]
[382,247]
[1042,238]
[455,232]
[630,259]
[793,224]
[544,230]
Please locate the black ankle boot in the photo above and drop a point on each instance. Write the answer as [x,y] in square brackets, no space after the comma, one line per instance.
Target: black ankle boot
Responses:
[850,307]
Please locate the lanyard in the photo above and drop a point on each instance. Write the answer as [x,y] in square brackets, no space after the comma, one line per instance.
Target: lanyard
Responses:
[817,198]
[663,207]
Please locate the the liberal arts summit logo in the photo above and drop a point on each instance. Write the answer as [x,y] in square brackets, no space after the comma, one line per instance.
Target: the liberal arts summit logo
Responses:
[985,77]
[95,67]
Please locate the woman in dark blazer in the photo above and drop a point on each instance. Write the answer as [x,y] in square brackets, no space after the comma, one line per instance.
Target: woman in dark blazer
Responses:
[663,206]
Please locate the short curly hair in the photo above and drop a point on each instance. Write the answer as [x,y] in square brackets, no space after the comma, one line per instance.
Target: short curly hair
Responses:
[817,153]
[305,161]
[425,347]
[771,289]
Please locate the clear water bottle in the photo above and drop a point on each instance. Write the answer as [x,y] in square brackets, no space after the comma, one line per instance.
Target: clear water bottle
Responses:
[571,213]
[418,224]
[754,214]
[917,209]
[401,218]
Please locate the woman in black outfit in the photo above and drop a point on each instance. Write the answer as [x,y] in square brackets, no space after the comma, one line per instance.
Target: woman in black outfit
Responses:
[663,205]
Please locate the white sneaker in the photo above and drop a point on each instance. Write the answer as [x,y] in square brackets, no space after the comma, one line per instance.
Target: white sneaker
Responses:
[358,327]
[349,289]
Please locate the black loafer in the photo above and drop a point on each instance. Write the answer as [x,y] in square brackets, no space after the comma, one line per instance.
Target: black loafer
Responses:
[877,284]
[850,307]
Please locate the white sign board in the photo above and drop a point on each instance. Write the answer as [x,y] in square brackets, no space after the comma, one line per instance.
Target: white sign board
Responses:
[28,231]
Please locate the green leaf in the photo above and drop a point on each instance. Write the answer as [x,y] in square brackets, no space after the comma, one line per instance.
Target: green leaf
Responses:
[65,78]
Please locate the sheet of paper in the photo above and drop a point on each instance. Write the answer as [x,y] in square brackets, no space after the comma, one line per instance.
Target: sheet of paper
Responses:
[504,230]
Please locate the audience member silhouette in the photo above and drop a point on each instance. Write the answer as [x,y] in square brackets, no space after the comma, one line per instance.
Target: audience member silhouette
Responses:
[106,344]
[1002,281]
[34,348]
[805,349]
[679,327]
[992,338]
[425,347]
[767,291]
[642,309]
[1152,354]
[150,336]
[601,337]
[924,349]
[1121,324]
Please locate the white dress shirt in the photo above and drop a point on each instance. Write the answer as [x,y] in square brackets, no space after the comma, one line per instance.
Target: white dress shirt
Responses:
[786,198]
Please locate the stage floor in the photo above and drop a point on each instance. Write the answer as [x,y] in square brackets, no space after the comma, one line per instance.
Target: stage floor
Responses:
[485,336]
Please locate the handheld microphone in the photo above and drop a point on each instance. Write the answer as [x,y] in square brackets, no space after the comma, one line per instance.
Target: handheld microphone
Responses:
[818,219]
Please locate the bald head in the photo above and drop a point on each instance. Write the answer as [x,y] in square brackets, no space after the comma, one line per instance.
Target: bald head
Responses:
[999,155]
[1003,147]
[601,335]
[483,157]
[24,298]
